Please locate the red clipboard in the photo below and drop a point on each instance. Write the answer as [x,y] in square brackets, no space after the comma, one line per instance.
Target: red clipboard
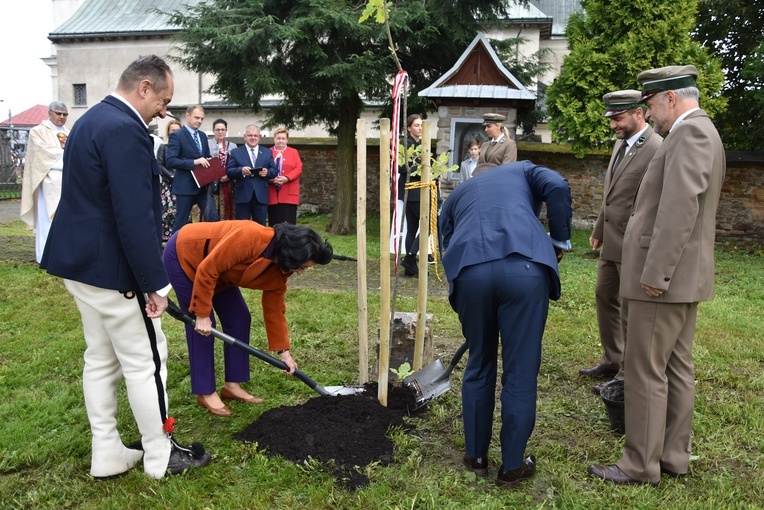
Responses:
[204,176]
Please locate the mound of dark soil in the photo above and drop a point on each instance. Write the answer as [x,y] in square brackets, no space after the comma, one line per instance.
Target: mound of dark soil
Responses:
[345,432]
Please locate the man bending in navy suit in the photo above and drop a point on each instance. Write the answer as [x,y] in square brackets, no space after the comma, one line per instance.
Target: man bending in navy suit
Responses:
[502,270]
[105,242]
[187,148]
[250,166]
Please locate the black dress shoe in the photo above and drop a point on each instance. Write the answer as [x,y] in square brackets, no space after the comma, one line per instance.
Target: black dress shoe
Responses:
[409,265]
[510,479]
[615,475]
[599,371]
[183,458]
[478,465]
[672,474]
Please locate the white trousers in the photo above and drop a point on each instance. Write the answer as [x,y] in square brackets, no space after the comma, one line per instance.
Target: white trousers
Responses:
[42,224]
[123,343]
[398,231]
[48,195]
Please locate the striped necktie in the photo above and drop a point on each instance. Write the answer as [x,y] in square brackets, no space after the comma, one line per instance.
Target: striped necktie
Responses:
[198,142]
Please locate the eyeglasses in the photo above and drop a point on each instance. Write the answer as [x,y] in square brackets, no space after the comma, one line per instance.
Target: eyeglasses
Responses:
[220,129]
[60,114]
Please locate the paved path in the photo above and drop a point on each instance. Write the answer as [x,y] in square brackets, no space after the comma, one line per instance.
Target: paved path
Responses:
[9,210]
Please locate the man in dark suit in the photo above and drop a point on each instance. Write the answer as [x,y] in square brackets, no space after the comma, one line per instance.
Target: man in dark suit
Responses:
[502,269]
[105,241]
[187,148]
[667,268]
[250,166]
[636,146]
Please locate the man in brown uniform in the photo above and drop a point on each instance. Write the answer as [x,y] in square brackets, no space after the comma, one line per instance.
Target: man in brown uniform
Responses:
[636,146]
[667,268]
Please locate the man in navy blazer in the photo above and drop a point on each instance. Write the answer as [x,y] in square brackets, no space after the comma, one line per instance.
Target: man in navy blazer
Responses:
[187,148]
[105,242]
[250,166]
[502,270]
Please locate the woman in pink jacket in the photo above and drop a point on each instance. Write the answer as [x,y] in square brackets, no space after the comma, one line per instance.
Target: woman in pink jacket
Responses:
[284,190]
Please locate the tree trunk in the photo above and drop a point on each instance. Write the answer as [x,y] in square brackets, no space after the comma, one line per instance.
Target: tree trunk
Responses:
[344,201]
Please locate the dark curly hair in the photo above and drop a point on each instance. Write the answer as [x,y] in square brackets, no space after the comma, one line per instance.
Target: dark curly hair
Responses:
[296,245]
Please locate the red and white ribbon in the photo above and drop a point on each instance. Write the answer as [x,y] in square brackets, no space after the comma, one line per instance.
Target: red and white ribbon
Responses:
[399,87]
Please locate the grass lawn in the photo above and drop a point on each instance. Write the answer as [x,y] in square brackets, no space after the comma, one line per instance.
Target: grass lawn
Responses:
[45,437]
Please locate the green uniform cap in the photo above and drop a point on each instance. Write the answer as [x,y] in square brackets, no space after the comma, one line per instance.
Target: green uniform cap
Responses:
[621,101]
[659,80]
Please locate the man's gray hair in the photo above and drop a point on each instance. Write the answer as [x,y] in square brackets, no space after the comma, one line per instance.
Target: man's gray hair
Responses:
[57,105]
[148,67]
[688,93]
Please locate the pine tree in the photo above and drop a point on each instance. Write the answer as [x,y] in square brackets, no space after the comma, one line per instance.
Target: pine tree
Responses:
[324,63]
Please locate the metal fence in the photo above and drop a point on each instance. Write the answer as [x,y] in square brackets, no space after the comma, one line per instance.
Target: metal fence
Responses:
[10,190]
[9,171]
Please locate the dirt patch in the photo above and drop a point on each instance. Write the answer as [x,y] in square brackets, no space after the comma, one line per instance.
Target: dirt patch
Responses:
[343,432]
[17,248]
[343,275]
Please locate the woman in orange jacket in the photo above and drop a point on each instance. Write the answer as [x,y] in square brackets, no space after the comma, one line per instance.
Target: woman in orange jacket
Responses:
[207,263]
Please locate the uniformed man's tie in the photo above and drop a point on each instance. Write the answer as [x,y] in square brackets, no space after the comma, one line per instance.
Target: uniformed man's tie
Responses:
[620,155]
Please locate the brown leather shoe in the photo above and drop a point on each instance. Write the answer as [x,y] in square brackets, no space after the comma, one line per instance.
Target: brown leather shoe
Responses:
[615,475]
[227,395]
[599,370]
[223,411]
[510,479]
[478,465]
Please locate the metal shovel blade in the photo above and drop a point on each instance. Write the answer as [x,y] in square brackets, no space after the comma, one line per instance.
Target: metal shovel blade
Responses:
[433,380]
[430,382]
[344,390]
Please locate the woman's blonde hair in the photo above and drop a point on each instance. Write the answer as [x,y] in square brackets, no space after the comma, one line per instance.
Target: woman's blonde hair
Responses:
[281,130]
[167,129]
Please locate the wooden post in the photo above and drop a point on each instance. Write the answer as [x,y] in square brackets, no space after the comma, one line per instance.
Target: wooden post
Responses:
[360,214]
[384,258]
[424,237]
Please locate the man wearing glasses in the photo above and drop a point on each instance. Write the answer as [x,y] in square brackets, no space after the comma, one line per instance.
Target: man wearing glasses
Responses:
[220,147]
[250,166]
[41,187]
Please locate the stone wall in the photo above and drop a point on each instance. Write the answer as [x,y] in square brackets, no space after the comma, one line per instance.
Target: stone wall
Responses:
[740,216]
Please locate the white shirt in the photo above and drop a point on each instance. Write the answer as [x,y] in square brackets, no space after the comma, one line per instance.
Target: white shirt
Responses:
[472,163]
[681,118]
[633,139]
[130,106]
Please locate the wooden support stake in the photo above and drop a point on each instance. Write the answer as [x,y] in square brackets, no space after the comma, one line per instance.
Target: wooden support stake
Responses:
[384,258]
[360,214]
[424,239]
